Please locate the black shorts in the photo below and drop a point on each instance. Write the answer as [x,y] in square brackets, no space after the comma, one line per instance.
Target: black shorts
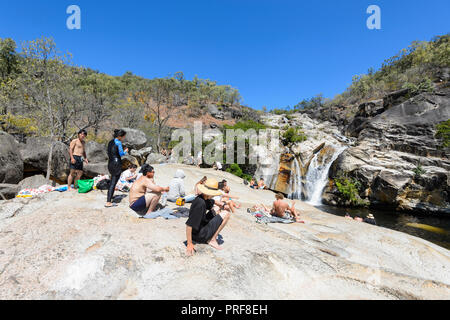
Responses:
[78,165]
[205,234]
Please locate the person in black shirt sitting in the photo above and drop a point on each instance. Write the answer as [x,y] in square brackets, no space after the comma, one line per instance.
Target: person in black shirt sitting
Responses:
[204,225]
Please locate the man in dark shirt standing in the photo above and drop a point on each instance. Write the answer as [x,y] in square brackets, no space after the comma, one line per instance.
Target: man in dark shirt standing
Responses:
[203,226]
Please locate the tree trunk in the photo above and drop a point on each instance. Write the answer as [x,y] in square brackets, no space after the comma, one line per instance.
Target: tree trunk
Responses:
[49,161]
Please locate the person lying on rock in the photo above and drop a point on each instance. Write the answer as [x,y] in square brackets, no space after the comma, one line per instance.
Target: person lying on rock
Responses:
[144,193]
[228,199]
[204,225]
[282,210]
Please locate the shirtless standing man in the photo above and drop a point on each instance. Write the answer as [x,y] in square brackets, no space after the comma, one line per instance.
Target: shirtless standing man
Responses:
[77,151]
[144,193]
[282,210]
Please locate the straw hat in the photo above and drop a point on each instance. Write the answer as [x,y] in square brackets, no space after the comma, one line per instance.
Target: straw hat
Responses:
[210,188]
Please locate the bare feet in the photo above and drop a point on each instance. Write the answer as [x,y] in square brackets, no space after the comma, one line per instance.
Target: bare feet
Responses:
[213,243]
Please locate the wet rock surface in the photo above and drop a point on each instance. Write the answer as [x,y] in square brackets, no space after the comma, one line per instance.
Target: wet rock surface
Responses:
[68,246]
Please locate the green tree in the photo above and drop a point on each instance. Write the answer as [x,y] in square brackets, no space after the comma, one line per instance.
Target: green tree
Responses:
[43,82]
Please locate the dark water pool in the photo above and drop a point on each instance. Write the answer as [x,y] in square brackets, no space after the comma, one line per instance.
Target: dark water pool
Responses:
[431,228]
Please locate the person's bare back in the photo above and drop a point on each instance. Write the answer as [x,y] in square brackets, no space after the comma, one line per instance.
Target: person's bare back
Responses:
[280,207]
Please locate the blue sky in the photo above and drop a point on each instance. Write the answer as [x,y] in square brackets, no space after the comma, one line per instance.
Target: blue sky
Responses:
[275,52]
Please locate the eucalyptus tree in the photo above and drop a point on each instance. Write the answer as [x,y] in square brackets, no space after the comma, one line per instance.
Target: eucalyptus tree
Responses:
[44,82]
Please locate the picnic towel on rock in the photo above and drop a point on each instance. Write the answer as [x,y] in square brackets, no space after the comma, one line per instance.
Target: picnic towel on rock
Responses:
[263,217]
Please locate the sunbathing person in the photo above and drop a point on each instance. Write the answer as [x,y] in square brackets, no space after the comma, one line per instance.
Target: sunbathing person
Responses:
[144,193]
[203,225]
[282,210]
[253,184]
[228,199]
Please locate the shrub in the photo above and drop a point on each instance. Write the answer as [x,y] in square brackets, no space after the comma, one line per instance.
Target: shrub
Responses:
[418,171]
[247,125]
[20,124]
[349,190]
[443,133]
[235,169]
[293,135]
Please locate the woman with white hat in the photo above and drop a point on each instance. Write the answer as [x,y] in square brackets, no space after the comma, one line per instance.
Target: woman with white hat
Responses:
[203,225]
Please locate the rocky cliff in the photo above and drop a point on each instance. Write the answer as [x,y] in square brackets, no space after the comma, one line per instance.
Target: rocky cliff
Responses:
[387,149]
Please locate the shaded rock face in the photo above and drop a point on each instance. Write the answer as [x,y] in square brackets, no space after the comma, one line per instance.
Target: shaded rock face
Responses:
[11,164]
[92,170]
[141,155]
[35,155]
[128,160]
[96,152]
[135,139]
[8,191]
[397,158]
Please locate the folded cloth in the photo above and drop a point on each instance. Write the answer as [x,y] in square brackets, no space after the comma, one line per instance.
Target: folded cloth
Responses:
[166,213]
[181,212]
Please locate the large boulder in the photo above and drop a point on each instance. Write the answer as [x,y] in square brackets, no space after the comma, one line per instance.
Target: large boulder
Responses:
[11,164]
[156,158]
[8,191]
[141,154]
[92,170]
[33,182]
[35,155]
[135,139]
[96,152]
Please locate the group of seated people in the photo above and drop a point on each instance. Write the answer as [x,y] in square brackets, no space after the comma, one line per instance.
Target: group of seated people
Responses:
[212,203]
[210,210]
[261,185]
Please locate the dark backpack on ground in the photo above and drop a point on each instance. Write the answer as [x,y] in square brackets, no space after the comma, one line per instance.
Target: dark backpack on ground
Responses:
[103,184]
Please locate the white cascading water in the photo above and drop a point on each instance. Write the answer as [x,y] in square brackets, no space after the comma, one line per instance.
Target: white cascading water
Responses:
[296,182]
[317,176]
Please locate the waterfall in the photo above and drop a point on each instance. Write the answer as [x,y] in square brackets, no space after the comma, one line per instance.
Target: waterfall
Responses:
[295,184]
[317,176]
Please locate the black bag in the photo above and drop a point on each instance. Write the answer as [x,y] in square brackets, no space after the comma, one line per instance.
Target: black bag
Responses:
[103,184]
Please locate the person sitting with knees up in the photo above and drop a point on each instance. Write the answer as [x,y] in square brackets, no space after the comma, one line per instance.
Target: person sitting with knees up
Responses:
[282,210]
[177,189]
[262,184]
[203,225]
[144,193]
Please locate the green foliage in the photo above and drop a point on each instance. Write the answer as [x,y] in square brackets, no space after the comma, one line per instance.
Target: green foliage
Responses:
[419,171]
[426,85]
[247,125]
[235,169]
[349,190]
[415,67]
[443,133]
[293,135]
[18,124]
